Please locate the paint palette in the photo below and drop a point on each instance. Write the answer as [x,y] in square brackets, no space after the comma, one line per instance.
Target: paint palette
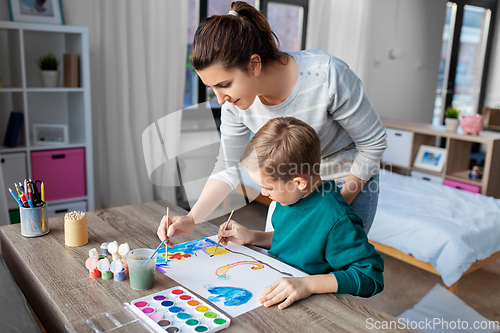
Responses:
[123,318]
[178,310]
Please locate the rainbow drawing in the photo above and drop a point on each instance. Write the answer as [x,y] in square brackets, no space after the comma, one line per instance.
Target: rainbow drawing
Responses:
[222,271]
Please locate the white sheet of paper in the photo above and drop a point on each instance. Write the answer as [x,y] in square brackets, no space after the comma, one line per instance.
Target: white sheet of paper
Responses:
[232,280]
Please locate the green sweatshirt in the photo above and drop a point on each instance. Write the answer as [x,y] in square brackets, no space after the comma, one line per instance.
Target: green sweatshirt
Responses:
[321,234]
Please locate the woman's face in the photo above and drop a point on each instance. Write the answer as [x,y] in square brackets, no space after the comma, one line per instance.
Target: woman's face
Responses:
[233,86]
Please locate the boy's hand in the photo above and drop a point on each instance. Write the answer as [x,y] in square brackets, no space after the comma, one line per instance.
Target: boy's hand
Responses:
[234,232]
[286,291]
[177,225]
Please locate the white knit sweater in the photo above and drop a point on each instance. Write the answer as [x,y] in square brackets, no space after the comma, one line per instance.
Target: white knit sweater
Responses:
[330,98]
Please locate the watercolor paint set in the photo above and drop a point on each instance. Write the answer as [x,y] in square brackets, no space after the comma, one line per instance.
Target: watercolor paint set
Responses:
[178,310]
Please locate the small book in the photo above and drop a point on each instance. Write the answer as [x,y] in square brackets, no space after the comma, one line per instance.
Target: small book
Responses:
[13,129]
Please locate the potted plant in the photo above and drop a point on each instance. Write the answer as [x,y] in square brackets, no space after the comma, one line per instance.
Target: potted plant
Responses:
[451,120]
[48,70]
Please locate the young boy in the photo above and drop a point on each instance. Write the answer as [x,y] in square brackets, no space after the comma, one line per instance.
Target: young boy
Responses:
[315,229]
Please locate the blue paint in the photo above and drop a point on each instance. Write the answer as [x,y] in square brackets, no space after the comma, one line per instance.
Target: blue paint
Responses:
[189,248]
[233,296]
[175,309]
[183,315]
[167,303]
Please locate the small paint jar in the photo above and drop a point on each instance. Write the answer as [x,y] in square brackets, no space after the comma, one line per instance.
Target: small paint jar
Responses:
[75,231]
[94,273]
[125,265]
[104,249]
[120,276]
[107,275]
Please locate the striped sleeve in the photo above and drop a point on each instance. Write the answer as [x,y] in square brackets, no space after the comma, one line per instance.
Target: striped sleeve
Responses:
[354,112]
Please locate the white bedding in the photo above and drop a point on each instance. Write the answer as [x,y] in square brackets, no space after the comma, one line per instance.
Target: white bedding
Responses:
[446,227]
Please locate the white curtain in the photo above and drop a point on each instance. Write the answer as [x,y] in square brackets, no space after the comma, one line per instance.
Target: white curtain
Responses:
[341,28]
[138,62]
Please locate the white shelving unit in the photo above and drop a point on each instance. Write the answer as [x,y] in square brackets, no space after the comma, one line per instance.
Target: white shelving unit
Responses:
[20,46]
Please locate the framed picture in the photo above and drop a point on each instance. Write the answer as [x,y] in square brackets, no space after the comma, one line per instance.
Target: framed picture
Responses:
[430,158]
[50,134]
[36,11]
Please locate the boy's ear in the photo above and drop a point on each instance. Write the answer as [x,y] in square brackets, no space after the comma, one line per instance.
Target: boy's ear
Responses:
[301,182]
[255,65]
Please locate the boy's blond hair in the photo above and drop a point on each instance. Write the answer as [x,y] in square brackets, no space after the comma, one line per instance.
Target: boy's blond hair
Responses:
[284,148]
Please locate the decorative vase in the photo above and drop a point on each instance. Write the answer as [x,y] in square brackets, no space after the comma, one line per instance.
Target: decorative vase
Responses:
[451,124]
[50,79]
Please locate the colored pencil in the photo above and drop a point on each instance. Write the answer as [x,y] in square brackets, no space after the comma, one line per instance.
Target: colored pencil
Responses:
[21,187]
[33,220]
[43,217]
[21,194]
[15,197]
[30,201]
[43,192]
[229,219]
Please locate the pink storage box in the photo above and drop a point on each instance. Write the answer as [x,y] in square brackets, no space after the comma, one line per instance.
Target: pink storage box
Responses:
[462,186]
[62,171]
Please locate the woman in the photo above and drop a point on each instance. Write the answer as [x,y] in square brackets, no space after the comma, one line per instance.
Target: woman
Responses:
[237,55]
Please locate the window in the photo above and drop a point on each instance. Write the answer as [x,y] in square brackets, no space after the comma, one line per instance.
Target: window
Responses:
[288,18]
[191,85]
[195,91]
[464,57]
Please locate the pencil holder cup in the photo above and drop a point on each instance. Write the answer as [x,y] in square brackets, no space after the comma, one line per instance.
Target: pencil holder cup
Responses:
[34,221]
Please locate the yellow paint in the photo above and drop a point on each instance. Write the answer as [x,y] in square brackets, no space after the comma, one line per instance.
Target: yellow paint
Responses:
[220,250]
[202,308]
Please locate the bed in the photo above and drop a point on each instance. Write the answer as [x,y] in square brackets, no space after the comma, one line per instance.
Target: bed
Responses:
[446,231]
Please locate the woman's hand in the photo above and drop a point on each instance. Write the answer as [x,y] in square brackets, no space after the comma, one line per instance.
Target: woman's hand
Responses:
[285,290]
[234,232]
[177,226]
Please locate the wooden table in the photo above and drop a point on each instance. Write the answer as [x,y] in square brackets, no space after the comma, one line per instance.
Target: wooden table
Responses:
[55,281]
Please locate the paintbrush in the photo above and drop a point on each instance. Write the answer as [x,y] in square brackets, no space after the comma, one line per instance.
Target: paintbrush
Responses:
[223,230]
[166,247]
[162,242]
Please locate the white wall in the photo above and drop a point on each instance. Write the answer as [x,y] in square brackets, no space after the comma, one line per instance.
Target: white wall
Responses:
[405,51]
